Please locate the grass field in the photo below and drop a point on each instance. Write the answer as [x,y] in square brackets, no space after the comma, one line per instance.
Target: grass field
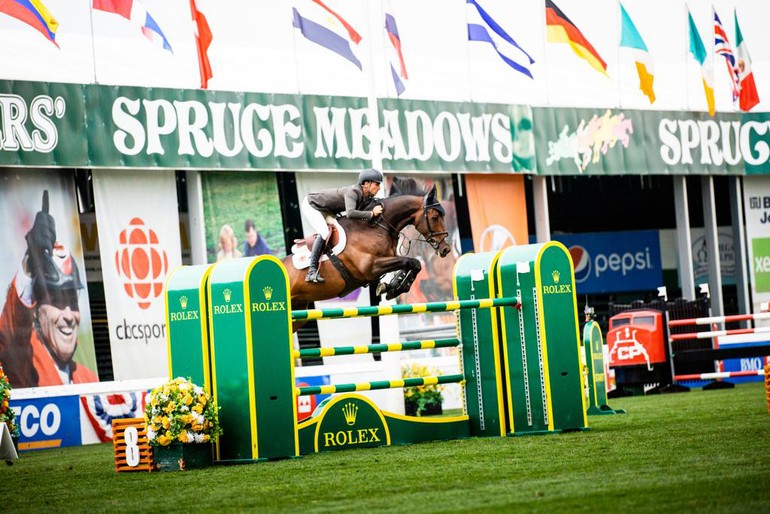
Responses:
[702,451]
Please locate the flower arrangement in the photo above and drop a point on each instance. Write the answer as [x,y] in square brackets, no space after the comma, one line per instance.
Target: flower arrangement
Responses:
[180,411]
[422,398]
[7,415]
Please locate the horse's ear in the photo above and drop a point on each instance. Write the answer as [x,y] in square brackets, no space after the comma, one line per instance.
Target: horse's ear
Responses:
[394,189]
[431,196]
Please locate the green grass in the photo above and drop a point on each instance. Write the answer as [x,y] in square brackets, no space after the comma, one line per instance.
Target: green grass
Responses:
[703,451]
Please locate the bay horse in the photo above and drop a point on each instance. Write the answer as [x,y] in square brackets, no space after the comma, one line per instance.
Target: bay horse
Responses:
[371,248]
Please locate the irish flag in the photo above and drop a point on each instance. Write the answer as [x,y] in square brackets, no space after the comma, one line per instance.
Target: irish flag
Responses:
[748,90]
[631,39]
[698,52]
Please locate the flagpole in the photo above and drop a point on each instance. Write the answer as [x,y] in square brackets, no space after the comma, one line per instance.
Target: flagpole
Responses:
[687,57]
[93,39]
[468,54]
[617,59]
[294,43]
[545,51]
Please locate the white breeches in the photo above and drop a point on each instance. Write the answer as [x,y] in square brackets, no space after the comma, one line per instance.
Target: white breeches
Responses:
[316,218]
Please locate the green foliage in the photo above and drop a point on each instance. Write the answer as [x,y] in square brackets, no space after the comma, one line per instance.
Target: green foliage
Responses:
[7,415]
[232,197]
[703,451]
[418,398]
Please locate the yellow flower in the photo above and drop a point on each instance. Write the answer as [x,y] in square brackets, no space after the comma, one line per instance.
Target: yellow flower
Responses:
[170,407]
[164,440]
[182,438]
[187,399]
[166,422]
[198,408]
[206,438]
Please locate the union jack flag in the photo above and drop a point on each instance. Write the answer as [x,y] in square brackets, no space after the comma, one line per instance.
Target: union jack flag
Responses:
[722,47]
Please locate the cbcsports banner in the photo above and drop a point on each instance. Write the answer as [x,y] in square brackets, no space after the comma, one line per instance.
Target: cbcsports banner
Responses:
[136,213]
[756,204]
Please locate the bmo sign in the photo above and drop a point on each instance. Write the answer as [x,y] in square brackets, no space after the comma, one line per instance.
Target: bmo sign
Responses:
[48,422]
[610,262]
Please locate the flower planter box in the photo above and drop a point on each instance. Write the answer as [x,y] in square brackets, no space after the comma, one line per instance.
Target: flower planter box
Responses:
[181,457]
[429,409]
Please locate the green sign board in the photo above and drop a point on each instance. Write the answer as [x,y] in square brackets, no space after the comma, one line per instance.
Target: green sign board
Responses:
[624,141]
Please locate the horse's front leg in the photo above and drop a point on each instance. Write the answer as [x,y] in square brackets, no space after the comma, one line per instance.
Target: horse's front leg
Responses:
[407,269]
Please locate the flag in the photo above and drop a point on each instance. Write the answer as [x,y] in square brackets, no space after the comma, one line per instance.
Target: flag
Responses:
[135,11]
[630,38]
[34,14]
[560,29]
[481,27]
[698,52]
[748,89]
[397,64]
[333,33]
[722,47]
[202,42]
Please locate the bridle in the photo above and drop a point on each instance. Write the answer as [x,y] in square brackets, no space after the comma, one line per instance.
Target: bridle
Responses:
[431,237]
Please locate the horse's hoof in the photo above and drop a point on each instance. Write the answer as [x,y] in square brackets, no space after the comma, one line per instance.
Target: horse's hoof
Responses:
[381,288]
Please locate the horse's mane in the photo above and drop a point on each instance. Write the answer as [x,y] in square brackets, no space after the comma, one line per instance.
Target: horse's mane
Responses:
[406,186]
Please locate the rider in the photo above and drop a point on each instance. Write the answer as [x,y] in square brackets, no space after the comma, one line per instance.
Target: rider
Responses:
[350,201]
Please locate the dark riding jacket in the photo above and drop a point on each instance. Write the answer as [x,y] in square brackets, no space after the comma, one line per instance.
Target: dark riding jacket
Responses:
[348,200]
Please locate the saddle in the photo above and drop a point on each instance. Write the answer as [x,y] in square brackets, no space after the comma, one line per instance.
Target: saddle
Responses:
[335,244]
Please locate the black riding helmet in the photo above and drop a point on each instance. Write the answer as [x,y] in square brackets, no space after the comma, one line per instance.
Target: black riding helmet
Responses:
[369,175]
[58,285]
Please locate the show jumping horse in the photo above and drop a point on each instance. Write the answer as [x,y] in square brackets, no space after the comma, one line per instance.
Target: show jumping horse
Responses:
[370,251]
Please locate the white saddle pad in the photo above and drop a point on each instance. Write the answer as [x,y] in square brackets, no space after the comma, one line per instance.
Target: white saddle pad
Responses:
[300,253]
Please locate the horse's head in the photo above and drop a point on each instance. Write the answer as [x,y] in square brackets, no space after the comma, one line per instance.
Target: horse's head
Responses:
[431,223]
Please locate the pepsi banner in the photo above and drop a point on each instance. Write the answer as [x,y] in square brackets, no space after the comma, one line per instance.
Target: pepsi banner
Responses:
[614,262]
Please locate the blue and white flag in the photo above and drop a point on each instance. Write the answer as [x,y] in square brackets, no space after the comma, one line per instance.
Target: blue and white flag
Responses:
[481,27]
[328,29]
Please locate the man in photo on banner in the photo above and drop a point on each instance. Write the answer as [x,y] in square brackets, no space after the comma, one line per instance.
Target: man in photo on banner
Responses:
[40,320]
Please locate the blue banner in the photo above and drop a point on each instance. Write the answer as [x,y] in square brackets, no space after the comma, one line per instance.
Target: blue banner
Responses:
[615,262]
[48,422]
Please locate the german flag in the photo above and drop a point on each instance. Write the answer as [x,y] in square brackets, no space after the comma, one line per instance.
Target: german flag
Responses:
[560,29]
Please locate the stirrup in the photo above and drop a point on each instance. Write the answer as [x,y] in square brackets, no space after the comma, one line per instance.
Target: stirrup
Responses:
[314,277]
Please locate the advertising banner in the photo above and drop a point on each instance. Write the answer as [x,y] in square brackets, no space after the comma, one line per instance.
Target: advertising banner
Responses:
[613,262]
[756,205]
[42,124]
[48,422]
[45,323]
[498,211]
[427,135]
[242,215]
[136,212]
[624,141]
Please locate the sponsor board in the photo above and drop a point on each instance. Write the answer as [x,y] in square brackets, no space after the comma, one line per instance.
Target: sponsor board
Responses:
[614,261]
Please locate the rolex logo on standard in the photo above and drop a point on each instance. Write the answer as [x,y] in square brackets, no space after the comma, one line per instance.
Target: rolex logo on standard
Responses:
[227,293]
[557,288]
[183,302]
[350,411]
[268,292]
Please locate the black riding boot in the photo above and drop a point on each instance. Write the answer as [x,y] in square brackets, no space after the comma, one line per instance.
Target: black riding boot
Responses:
[315,254]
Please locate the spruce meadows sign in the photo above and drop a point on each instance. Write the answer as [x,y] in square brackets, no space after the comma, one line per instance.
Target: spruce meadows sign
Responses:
[75,125]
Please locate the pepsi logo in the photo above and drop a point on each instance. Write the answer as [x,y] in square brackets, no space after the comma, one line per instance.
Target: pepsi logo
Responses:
[582,262]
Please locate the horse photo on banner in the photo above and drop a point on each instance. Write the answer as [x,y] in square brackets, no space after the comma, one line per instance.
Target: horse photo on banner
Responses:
[139,242]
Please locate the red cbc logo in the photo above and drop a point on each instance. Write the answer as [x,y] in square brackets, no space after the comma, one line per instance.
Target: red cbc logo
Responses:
[141,263]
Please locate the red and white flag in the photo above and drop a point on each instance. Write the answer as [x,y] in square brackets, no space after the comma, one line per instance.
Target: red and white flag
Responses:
[748,89]
[203,39]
